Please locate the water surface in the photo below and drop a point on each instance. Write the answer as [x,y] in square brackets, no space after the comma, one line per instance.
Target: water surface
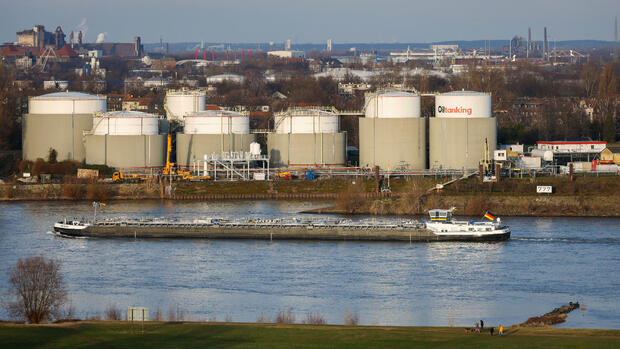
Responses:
[547,263]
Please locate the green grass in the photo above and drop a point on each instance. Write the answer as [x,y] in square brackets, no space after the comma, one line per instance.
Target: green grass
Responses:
[237,335]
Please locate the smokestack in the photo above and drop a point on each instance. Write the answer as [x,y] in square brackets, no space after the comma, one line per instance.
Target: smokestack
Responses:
[545,47]
[227,57]
[213,54]
[529,41]
[196,54]
[204,54]
[235,54]
[242,53]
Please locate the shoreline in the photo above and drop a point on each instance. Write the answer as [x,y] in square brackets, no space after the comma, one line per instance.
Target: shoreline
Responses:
[590,197]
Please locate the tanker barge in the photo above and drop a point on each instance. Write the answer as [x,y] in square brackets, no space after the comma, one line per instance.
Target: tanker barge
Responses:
[286,229]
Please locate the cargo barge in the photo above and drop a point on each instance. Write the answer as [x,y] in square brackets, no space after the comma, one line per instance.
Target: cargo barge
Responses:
[284,229]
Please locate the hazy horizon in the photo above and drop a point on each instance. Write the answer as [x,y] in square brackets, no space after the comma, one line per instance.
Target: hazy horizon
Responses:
[347,21]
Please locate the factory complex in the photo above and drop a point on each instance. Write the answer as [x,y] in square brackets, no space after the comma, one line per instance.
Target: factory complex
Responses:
[392,132]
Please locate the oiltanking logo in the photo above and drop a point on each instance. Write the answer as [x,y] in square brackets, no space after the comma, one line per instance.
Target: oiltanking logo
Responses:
[455,110]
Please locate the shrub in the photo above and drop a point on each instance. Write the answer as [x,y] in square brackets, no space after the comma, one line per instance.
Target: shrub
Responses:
[175,313]
[351,319]
[112,312]
[286,316]
[38,167]
[314,319]
[262,318]
[97,192]
[73,191]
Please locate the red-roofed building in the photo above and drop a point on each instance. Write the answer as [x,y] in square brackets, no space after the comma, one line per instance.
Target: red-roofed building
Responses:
[66,51]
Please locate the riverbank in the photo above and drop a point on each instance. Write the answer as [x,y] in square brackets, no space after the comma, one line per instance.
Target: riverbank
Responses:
[585,196]
[121,334]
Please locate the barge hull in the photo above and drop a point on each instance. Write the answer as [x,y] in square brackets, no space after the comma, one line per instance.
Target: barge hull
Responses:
[233,233]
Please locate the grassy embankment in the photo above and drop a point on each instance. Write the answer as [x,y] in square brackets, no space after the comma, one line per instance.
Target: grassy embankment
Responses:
[586,196]
[227,335]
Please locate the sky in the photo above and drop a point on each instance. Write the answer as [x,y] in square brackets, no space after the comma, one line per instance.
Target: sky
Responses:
[313,21]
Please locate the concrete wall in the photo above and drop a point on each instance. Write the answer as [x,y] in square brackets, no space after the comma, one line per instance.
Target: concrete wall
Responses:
[126,151]
[63,132]
[307,149]
[393,143]
[459,143]
[194,146]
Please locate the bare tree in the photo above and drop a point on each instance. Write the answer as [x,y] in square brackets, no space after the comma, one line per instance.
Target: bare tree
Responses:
[39,289]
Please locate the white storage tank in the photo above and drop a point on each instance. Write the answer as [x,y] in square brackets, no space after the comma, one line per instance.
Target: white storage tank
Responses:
[127,123]
[462,130]
[216,122]
[463,104]
[58,121]
[179,103]
[306,121]
[392,134]
[546,155]
[393,104]
[66,103]
[307,138]
[212,131]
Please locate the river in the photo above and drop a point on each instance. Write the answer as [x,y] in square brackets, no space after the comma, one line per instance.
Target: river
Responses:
[547,263]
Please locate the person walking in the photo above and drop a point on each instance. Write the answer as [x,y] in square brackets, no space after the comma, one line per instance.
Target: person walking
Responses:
[501,330]
[491,330]
[481,325]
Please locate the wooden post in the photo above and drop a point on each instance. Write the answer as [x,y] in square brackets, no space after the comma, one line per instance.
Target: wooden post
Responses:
[480,173]
[571,172]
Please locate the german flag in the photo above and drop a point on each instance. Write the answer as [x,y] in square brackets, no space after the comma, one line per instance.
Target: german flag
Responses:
[489,215]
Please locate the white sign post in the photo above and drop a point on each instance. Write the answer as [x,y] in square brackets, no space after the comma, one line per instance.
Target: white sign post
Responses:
[544,189]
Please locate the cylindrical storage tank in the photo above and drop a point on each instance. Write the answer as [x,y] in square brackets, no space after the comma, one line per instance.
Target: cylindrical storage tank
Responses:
[127,140]
[212,132]
[306,121]
[57,121]
[392,135]
[216,122]
[128,123]
[307,137]
[463,104]
[393,104]
[546,155]
[462,130]
[63,103]
[180,103]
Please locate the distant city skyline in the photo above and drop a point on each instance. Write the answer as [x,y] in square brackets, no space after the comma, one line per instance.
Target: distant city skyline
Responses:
[246,21]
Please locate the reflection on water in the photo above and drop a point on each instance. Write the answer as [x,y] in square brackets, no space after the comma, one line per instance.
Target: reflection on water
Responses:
[547,263]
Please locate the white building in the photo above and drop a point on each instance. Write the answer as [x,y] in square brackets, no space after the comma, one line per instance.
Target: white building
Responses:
[218,79]
[56,84]
[287,54]
[568,147]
